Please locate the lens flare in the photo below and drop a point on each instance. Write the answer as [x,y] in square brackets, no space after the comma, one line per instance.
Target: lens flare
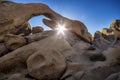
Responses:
[61,28]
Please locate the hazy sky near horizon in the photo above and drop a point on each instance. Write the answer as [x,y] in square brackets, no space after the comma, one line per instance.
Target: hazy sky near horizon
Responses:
[95,14]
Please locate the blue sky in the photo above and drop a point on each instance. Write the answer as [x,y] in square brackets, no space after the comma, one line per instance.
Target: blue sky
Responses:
[95,14]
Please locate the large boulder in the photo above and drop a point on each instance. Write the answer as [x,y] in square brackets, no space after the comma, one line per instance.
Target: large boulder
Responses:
[13,42]
[46,64]
[37,29]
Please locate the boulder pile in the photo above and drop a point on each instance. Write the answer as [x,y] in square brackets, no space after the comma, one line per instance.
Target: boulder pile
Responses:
[35,54]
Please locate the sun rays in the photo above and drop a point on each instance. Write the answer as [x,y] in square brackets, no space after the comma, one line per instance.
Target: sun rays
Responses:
[60,28]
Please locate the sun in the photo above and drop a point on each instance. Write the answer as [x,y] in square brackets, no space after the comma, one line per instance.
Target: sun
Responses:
[61,28]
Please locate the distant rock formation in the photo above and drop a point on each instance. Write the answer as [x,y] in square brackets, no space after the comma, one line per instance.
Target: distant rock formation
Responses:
[108,37]
[115,26]
[35,54]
